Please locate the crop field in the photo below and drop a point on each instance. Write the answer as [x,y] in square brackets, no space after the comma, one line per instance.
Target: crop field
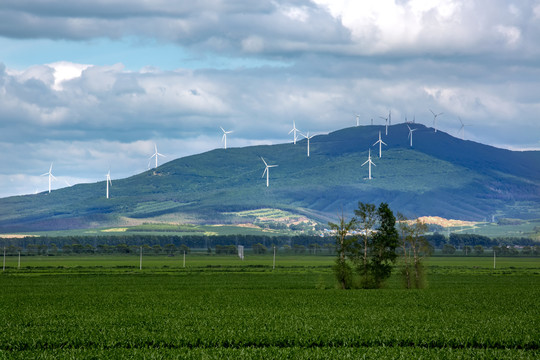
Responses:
[220,307]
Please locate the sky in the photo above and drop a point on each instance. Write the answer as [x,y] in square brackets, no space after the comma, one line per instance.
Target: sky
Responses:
[93,85]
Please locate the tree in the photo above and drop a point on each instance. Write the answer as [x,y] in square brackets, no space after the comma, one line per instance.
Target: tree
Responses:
[448,249]
[371,252]
[366,218]
[383,246]
[344,241]
[157,249]
[415,249]
[170,249]
[259,248]
[478,250]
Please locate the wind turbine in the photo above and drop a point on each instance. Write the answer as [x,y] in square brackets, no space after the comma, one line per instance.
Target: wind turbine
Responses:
[294,130]
[308,138]
[224,138]
[51,177]
[435,119]
[357,119]
[410,133]
[267,171]
[462,129]
[156,154]
[386,120]
[369,162]
[108,182]
[380,142]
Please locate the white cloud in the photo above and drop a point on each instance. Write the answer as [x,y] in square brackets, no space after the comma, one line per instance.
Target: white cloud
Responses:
[64,70]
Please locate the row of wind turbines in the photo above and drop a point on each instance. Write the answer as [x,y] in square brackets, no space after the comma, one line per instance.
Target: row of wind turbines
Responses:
[295,132]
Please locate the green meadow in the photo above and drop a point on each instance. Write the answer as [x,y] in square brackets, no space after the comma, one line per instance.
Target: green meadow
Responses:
[221,307]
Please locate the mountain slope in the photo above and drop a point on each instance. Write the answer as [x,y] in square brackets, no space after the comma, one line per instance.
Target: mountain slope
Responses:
[441,175]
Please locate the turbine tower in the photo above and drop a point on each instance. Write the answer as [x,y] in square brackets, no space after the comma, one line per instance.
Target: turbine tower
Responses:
[357,119]
[462,129]
[294,130]
[308,138]
[224,138]
[108,182]
[410,133]
[386,122]
[435,119]
[156,155]
[380,142]
[267,171]
[369,162]
[51,177]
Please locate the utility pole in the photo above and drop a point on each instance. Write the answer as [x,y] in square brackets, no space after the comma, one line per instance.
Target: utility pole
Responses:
[274,264]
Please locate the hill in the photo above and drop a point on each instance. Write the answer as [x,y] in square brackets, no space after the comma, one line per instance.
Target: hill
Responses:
[439,176]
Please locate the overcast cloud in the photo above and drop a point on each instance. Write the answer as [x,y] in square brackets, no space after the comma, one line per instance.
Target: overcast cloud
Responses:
[90,85]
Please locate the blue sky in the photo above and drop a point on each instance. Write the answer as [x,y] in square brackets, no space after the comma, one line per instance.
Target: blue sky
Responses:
[93,85]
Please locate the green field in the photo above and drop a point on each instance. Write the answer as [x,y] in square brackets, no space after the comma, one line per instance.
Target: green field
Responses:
[221,307]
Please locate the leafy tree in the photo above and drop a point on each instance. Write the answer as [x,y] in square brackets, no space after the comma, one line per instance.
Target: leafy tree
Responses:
[371,252]
[415,248]
[448,249]
[383,246]
[344,243]
[170,249]
[259,248]
[478,250]
[185,249]
[157,249]
[366,218]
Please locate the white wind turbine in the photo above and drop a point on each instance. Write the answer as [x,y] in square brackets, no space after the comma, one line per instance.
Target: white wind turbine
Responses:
[386,122]
[294,130]
[308,138]
[462,129]
[51,177]
[369,162]
[357,119]
[224,138]
[267,171]
[435,119]
[410,133]
[108,182]
[380,142]
[156,155]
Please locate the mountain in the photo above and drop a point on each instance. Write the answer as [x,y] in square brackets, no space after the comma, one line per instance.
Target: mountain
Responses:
[440,176]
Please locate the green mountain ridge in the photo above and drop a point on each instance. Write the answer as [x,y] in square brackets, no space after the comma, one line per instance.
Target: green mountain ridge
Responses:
[440,176]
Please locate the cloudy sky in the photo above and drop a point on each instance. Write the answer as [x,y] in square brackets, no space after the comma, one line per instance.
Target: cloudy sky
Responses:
[94,84]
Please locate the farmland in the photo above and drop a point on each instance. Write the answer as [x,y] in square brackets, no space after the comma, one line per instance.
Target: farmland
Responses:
[218,306]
